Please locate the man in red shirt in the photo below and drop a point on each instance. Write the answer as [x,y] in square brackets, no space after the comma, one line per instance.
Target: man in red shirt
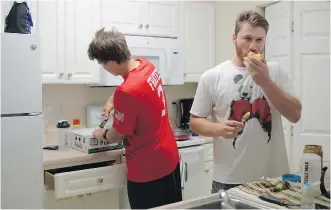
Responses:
[141,122]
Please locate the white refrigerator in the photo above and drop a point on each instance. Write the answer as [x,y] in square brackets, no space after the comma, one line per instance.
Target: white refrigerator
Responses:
[22,124]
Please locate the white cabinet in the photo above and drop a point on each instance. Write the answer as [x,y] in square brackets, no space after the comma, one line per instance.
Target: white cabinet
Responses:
[147,18]
[100,200]
[209,170]
[69,203]
[65,28]
[208,166]
[192,171]
[197,37]
[48,24]
[82,20]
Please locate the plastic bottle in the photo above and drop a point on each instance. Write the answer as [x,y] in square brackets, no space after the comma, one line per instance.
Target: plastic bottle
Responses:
[62,129]
[308,197]
[310,169]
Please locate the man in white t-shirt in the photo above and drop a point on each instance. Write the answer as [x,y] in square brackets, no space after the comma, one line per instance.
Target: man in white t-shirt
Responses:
[244,151]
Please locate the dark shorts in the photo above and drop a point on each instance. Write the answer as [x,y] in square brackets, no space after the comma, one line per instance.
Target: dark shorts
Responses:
[155,193]
[217,186]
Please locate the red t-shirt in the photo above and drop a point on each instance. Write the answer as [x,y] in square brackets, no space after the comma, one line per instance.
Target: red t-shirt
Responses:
[141,114]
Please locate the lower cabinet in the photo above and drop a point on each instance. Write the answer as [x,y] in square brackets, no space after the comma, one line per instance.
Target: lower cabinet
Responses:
[100,200]
[208,168]
[208,177]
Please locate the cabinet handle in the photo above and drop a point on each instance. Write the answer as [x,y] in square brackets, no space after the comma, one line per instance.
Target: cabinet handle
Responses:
[61,73]
[147,26]
[140,25]
[33,47]
[80,196]
[69,74]
[185,172]
[184,74]
[100,180]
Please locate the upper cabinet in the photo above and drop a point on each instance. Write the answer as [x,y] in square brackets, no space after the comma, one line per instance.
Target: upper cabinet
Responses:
[146,18]
[48,22]
[197,38]
[82,20]
[66,29]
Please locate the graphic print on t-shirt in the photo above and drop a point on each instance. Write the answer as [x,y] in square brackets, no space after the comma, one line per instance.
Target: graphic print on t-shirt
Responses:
[247,99]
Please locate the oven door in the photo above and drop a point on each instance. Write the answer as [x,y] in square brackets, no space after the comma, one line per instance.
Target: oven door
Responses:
[157,56]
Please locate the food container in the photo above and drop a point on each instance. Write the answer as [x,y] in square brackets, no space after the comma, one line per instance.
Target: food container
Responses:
[314,149]
[181,135]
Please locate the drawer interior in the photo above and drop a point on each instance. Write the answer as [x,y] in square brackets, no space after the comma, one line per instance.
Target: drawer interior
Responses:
[80,167]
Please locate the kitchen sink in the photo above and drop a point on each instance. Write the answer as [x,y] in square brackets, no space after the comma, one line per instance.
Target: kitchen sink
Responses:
[221,205]
[221,200]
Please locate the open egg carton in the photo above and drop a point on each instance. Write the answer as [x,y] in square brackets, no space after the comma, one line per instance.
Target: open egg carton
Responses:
[82,140]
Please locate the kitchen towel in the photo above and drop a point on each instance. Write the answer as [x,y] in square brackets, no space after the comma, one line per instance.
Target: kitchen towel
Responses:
[276,188]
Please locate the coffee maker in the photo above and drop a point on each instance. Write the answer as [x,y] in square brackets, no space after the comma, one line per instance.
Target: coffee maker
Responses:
[183,110]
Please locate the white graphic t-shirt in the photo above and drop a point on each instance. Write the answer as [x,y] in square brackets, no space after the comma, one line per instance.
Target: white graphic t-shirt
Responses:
[228,92]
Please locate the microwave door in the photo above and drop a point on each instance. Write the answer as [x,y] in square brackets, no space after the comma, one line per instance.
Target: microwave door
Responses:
[155,56]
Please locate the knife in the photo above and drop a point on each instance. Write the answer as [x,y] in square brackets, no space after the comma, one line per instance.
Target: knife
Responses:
[103,122]
[277,201]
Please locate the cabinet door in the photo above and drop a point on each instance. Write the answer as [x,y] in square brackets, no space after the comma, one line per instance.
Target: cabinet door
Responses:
[102,200]
[82,20]
[197,37]
[69,203]
[126,16]
[47,17]
[48,22]
[192,172]
[208,177]
[161,19]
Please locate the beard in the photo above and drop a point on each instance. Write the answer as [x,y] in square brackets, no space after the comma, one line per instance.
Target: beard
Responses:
[240,53]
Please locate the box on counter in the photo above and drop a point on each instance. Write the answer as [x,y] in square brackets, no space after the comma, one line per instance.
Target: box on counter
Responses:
[82,140]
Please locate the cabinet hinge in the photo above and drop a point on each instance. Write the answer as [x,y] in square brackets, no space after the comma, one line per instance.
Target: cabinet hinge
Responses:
[291,130]
[292,26]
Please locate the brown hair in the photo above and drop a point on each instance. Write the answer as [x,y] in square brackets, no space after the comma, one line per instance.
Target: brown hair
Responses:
[109,46]
[253,18]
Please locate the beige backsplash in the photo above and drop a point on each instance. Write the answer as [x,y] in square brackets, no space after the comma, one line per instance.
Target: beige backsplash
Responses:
[75,98]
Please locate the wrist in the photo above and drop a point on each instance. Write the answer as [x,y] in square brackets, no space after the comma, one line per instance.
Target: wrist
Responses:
[267,85]
[218,130]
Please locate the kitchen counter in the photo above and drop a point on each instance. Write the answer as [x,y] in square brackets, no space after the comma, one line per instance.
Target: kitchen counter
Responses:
[58,159]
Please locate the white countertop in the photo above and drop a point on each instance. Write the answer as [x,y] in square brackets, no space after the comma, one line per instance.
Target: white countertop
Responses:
[71,157]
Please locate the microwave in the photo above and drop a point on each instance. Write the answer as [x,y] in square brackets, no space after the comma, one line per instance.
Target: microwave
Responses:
[164,53]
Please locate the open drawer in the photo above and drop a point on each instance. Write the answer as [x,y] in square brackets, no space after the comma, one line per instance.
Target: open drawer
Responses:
[83,179]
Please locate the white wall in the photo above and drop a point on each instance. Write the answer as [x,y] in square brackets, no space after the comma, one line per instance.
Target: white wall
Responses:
[226,14]
[75,98]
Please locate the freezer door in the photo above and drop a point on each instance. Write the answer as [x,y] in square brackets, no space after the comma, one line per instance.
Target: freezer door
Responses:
[22,183]
[21,86]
